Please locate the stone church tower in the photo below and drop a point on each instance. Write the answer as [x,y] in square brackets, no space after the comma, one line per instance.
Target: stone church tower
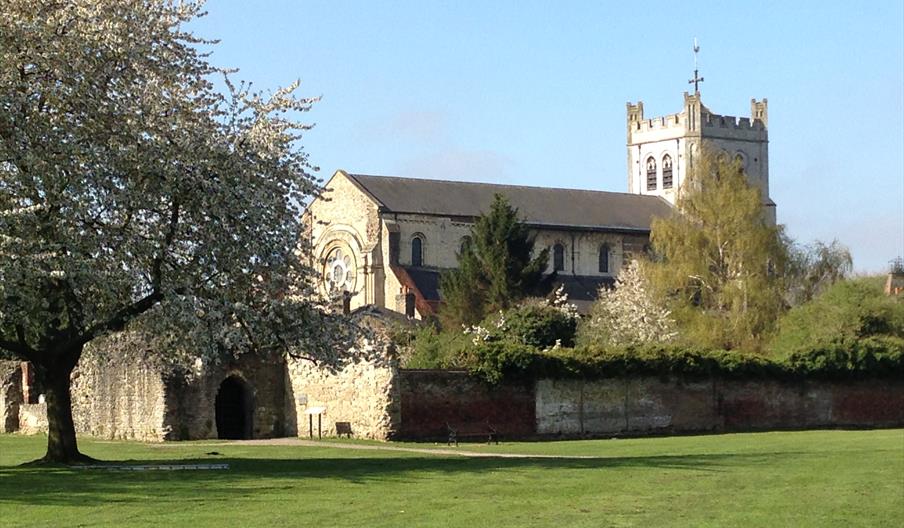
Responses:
[661,150]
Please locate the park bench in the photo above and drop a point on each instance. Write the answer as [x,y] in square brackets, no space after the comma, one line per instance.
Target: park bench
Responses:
[484,430]
[344,428]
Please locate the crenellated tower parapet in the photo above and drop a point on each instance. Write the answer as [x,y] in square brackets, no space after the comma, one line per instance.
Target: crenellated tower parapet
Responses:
[661,149]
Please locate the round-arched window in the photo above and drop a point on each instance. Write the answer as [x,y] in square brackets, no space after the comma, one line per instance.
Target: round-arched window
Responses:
[417,250]
[558,257]
[604,258]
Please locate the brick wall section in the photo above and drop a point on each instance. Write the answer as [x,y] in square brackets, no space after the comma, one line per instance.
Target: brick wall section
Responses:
[431,398]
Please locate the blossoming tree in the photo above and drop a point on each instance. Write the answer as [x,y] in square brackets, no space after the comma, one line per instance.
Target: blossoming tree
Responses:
[131,190]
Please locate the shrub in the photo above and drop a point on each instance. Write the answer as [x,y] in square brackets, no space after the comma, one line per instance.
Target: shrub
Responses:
[537,324]
[845,313]
[495,361]
[429,349]
[875,356]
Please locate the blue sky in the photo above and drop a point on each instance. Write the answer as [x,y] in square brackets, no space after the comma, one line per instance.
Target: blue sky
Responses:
[534,93]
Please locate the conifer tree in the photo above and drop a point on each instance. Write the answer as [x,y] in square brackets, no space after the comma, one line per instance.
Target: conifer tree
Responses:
[496,269]
[719,259]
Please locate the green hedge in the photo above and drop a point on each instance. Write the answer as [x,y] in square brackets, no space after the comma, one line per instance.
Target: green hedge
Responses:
[877,357]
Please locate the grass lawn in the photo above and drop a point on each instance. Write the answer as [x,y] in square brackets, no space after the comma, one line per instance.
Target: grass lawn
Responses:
[813,478]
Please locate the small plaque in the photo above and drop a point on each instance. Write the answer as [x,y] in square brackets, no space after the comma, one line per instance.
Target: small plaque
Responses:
[315,410]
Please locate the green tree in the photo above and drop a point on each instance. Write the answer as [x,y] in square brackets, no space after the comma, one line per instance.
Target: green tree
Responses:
[718,258]
[846,312]
[814,268]
[495,270]
[131,190]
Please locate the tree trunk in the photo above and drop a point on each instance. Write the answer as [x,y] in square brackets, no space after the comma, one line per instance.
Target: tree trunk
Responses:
[61,442]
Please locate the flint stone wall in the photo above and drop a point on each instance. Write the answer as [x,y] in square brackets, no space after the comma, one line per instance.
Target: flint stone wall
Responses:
[365,394]
[10,395]
[118,395]
[33,418]
[190,399]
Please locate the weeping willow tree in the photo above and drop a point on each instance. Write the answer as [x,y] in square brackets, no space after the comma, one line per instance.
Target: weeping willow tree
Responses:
[131,190]
[718,259]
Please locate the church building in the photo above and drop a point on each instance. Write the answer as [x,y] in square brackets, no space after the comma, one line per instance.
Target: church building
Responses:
[385,240]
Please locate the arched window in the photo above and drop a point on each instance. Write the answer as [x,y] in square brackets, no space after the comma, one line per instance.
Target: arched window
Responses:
[651,174]
[558,257]
[417,251]
[604,258]
[666,172]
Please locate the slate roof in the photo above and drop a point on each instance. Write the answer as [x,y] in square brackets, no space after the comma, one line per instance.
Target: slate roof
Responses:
[581,290]
[537,206]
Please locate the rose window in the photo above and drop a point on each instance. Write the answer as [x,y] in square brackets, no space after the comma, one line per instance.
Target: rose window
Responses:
[339,271]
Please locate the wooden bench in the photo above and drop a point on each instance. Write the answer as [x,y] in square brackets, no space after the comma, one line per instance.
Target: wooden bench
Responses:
[344,428]
[484,430]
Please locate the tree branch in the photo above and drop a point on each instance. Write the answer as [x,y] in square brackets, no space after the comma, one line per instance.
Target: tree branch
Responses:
[122,317]
[157,267]
[13,347]
[19,346]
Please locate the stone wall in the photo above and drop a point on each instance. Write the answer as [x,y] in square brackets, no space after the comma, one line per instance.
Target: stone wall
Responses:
[651,405]
[10,395]
[33,418]
[432,398]
[118,395]
[365,394]
[190,401]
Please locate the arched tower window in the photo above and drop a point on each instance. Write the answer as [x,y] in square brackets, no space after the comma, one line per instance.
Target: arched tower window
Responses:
[651,174]
[666,172]
[604,258]
[417,250]
[558,257]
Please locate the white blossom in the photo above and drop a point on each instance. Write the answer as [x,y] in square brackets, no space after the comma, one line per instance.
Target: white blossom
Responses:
[628,313]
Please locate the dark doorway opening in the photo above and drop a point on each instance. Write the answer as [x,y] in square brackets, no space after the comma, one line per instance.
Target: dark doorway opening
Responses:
[234,408]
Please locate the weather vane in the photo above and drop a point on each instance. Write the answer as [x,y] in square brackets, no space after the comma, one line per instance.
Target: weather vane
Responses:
[697,79]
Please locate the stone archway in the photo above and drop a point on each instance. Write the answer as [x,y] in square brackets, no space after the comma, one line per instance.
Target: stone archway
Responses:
[234,409]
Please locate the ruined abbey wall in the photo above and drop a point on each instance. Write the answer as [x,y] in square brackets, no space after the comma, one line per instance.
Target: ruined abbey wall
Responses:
[365,394]
[118,396]
[10,395]
[190,399]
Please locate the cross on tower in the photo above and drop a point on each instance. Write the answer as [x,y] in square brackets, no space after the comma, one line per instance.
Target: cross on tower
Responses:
[697,79]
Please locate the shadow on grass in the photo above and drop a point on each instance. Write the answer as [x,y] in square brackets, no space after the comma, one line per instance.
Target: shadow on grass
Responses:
[246,476]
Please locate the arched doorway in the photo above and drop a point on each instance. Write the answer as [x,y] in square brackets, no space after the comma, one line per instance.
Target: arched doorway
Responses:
[234,408]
